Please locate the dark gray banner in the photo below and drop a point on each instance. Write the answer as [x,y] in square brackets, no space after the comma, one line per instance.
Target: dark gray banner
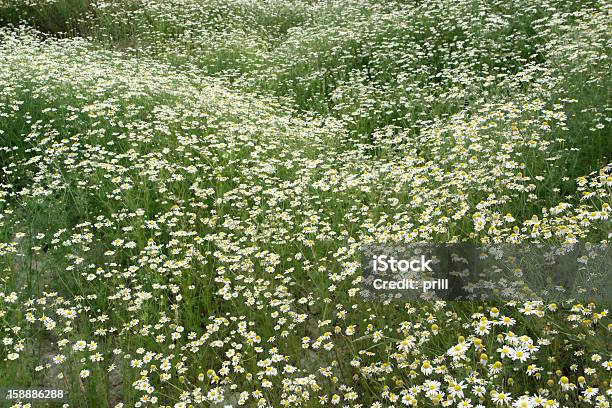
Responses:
[465,271]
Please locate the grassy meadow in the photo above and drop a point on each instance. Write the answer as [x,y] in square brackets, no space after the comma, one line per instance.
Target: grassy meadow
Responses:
[185,186]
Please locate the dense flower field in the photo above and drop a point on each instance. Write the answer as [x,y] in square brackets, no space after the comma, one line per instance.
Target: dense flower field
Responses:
[185,186]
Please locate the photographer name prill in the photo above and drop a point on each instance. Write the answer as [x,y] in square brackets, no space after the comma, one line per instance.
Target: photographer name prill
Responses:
[411,284]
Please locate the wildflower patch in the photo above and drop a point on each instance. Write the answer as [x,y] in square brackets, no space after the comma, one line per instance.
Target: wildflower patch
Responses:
[192,193]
